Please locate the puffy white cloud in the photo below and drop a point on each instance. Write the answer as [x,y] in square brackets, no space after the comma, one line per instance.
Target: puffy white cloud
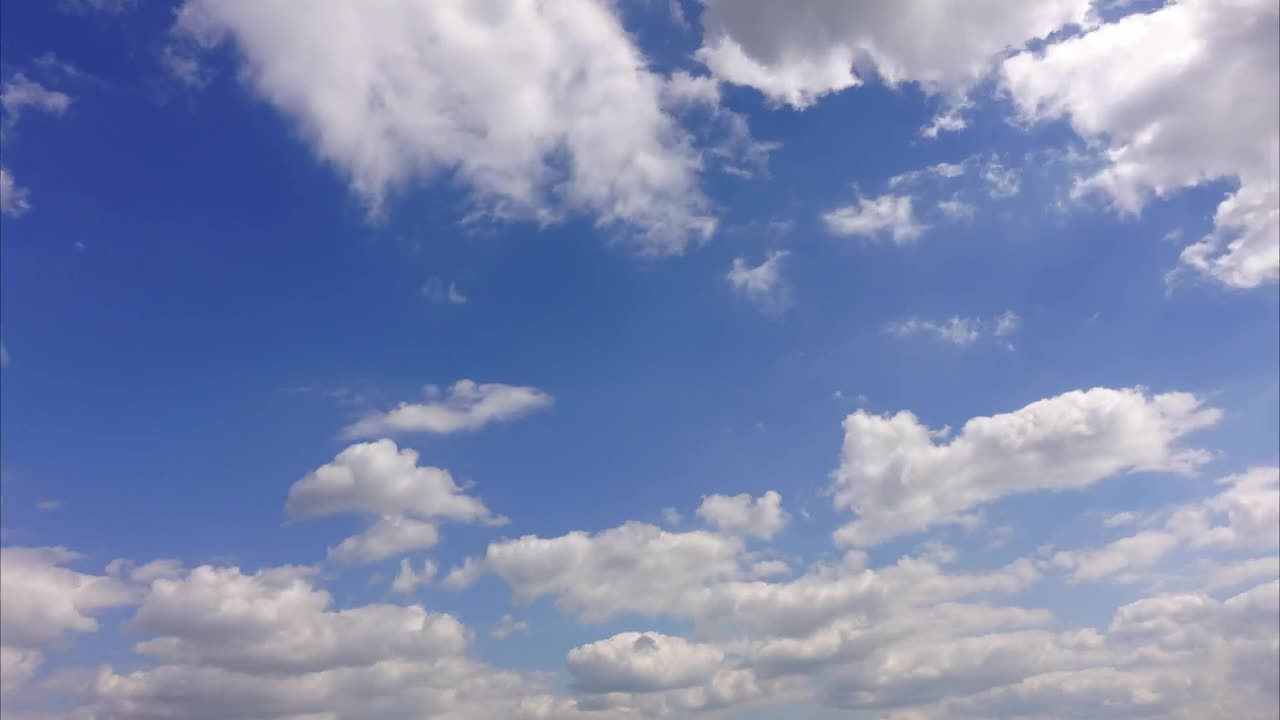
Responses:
[542,111]
[40,599]
[380,478]
[763,284]
[389,535]
[17,667]
[798,52]
[275,621]
[642,662]
[635,567]
[897,476]
[1245,515]
[1131,553]
[465,405]
[508,626]
[761,517]
[1199,102]
[14,199]
[20,93]
[408,579]
[876,217]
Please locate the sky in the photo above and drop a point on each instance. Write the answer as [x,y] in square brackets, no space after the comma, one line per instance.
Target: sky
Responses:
[591,360]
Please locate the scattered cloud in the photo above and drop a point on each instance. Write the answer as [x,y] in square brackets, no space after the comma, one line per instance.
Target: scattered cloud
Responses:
[14,199]
[761,517]
[1174,119]
[763,284]
[877,217]
[571,125]
[796,54]
[508,626]
[437,291]
[464,406]
[408,580]
[898,478]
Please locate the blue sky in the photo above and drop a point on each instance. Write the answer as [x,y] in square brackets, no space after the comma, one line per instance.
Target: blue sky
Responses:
[681,298]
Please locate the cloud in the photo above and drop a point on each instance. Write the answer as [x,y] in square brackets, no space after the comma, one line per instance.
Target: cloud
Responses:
[14,199]
[541,111]
[437,291]
[896,475]
[389,535]
[956,330]
[761,517]
[1244,516]
[20,93]
[1001,182]
[466,405]
[408,579]
[508,626]
[1200,103]
[796,54]
[1136,552]
[763,285]
[41,600]
[641,662]
[382,479]
[876,217]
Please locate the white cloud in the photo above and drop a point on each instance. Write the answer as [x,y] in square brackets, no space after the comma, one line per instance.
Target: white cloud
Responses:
[14,199]
[1199,103]
[671,516]
[381,479]
[898,478]
[1245,515]
[278,622]
[466,405]
[1136,552]
[1007,323]
[798,52]
[1002,182]
[389,535]
[876,217]
[407,579]
[541,111]
[508,626]
[763,284]
[642,662]
[437,291]
[761,517]
[41,600]
[684,88]
[49,505]
[632,568]
[955,330]
[956,209]
[20,93]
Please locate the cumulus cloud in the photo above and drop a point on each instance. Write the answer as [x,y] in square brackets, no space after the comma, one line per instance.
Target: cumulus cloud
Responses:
[899,478]
[383,480]
[642,662]
[761,517]
[541,111]
[408,579]
[795,54]
[508,626]
[20,93]
[466,405]
[1200,103]
[389,535]
[14,199]
[380,478]
[763,284]
[887,215]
